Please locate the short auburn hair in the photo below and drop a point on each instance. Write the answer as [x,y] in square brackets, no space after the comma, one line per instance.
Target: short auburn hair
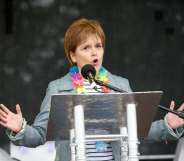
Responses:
[78,31]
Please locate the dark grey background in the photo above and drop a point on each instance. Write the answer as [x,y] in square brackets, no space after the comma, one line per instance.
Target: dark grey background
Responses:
[144,44]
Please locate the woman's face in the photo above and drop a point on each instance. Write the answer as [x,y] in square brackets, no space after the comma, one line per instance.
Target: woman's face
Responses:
[89,51]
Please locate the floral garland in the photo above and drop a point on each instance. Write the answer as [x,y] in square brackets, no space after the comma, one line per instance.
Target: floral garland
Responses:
[78,80]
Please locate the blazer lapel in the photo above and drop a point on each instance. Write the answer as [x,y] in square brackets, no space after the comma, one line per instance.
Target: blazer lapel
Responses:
[65,85]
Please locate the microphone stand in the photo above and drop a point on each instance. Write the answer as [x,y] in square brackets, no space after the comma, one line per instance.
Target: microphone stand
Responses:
[109,86]
[101,83]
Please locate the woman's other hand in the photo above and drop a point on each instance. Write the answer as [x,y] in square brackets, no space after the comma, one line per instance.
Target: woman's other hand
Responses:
[173,120]
[10,120]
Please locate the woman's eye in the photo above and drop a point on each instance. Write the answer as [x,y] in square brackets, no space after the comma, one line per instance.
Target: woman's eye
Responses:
[99,45]
[86,47]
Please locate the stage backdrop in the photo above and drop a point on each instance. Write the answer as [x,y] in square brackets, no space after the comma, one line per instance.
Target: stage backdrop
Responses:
[144,44]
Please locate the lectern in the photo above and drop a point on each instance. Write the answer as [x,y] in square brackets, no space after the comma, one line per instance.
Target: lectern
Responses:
[126,117]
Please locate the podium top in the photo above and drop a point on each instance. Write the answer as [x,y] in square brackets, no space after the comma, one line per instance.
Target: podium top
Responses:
[101,111]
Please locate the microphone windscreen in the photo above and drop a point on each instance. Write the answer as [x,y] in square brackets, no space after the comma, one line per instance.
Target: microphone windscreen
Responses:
[88,69]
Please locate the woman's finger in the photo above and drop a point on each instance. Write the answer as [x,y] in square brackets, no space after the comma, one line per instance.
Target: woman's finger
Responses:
[2,123]
[18,109]
[2,113]
[172,104]
[3,119]
[5,109]
[181,108]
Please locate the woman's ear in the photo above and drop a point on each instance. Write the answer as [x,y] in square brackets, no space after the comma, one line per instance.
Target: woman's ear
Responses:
[72,56]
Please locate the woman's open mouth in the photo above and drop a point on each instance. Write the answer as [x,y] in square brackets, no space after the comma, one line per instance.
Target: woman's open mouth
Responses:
[95,61]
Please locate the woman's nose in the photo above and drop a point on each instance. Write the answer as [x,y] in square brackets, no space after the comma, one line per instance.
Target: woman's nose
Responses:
[94,51]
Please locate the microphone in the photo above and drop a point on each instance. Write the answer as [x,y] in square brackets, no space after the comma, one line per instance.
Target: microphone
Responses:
[89,72]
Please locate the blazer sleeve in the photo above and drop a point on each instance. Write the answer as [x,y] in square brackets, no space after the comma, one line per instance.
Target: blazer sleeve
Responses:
[35,134]
[160,131]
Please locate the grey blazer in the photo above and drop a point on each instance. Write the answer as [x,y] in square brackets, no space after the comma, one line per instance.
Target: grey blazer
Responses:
[35,134]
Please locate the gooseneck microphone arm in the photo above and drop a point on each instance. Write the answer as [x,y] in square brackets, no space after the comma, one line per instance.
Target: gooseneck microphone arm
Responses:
[109,86]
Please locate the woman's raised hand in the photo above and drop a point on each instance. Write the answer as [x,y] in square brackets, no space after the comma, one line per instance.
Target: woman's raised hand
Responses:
[10,120]
[173,120]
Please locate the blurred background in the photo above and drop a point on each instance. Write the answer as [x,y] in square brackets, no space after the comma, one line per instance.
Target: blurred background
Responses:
[144,44]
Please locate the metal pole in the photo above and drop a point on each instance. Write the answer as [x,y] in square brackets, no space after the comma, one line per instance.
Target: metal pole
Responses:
[72,144]
[79,132]
[124,144]
[132,132]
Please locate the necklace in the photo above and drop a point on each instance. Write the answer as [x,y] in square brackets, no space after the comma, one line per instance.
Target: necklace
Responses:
[78,80]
